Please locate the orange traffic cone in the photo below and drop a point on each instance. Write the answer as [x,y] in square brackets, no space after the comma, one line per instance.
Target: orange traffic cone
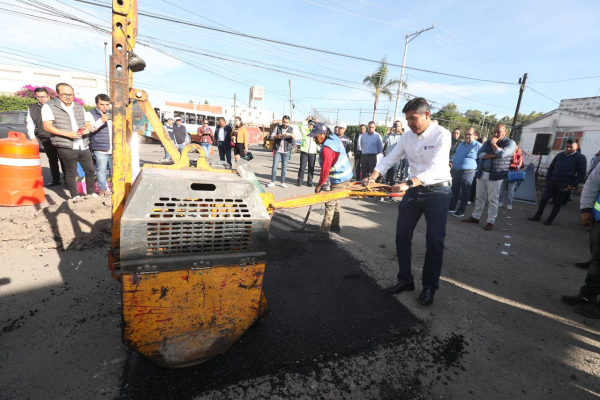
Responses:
[21,181]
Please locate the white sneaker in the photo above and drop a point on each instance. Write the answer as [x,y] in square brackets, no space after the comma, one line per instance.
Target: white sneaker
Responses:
[283,185]
[451,211]
[509,207]
[470,203]
[500,204]
[271,184]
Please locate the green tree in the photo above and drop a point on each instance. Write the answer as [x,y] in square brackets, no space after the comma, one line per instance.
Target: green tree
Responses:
[450,118]
[379,83]
[191,101]
[206,102]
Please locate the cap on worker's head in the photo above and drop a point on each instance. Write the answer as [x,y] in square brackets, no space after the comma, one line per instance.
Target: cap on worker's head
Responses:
[178,118]
[317,129]
[343,125]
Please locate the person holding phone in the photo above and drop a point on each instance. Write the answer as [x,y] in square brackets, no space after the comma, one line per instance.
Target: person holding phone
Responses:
[69,127]
[207,138]
[101,140]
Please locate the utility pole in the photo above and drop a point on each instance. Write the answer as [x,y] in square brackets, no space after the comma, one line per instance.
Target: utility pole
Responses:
[409,38]
[234,106]
[291,103]
[521,90]
[106,68]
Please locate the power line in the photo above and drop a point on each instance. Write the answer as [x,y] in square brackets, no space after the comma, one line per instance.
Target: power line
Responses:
[572,79]
[543,95]
[230,32]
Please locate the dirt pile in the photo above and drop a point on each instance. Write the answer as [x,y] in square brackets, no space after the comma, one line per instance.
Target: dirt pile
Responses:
[68,225]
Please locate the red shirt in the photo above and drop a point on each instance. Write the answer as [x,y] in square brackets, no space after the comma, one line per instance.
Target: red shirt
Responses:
[328,160]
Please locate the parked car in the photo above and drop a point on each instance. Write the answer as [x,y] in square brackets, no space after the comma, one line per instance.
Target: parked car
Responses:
[14,121]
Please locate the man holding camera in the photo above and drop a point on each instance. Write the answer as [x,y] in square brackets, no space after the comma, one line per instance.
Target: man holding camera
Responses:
[101,140]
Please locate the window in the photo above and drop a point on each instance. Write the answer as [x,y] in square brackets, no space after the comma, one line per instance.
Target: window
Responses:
[561,138]
[190,118]
[201,119]
[46,78]
[9,118]
[179,114]
[211,120]
[10,75]
[84,82]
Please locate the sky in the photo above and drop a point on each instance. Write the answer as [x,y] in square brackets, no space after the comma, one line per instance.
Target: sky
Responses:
[487,40]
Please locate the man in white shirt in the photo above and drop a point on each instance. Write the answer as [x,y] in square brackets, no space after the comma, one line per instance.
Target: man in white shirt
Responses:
[66,122]
[426,146]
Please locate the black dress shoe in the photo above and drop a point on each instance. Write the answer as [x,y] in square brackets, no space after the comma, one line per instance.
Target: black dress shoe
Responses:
[534,218]
[583,265]
[298,183]
[53,184]
[548,222]
[426,296]
[309,184]
[399,288]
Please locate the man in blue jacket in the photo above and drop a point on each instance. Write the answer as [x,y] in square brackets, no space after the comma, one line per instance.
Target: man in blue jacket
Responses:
[223,136]
[566,171]
[494,162]
[464,166]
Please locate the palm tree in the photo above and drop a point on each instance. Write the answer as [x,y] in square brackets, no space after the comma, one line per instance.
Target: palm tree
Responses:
[380,85]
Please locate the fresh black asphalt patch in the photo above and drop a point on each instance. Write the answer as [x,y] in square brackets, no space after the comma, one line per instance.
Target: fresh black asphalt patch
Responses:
[322,307]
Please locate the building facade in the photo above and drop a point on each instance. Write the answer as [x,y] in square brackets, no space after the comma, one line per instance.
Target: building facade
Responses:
[575,118]
[86,85]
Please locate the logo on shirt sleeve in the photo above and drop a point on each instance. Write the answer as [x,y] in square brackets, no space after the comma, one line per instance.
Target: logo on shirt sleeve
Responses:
[428,147]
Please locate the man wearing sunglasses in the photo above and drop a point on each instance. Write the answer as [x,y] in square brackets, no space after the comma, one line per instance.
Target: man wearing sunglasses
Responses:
[35,128]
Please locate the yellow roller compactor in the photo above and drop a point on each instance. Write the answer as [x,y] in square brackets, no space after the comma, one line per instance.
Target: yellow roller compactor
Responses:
[188,242]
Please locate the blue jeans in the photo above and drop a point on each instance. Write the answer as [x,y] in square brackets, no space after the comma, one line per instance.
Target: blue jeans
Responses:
[434,204]
[180,147]
[392,173]
[102,161]
[461,189]
[284,158]
[404,171]
[206,147]
[511,191]
[167,156]
[224,151]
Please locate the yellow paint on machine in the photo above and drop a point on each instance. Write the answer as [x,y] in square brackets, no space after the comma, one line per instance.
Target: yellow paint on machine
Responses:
[186,317]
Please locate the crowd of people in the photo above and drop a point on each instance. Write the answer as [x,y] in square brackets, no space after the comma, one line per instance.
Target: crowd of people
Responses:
[72,136]
[446,169]
[437,171]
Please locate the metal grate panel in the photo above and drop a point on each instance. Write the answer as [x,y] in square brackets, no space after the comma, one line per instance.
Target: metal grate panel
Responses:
[171,238]
[200,208]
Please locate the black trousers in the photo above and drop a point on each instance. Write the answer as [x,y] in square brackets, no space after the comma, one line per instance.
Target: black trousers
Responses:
[357,157]
[53,160]
[555,191]
[305,159]
[591,288]
[70,158]
[367,164]
[238,150]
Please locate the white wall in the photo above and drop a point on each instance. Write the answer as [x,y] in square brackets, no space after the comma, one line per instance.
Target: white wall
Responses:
[563,122]
[250,115]
[86,85]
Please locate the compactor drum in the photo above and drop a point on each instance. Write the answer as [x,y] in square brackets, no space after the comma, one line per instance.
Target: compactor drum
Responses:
[192,258]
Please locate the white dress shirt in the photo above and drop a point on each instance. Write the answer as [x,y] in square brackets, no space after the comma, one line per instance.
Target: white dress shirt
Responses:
[427,155]
[30,125]
[48,115]
[97,124]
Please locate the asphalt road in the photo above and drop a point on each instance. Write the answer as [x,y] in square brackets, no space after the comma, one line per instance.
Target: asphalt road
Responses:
[497,329]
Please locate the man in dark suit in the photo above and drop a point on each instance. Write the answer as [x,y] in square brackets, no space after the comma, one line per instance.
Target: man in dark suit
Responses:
[223,136]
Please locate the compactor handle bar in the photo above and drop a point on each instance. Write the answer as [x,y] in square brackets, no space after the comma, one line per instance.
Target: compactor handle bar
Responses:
[355,190]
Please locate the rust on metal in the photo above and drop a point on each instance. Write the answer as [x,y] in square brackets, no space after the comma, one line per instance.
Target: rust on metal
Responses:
[182,318]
